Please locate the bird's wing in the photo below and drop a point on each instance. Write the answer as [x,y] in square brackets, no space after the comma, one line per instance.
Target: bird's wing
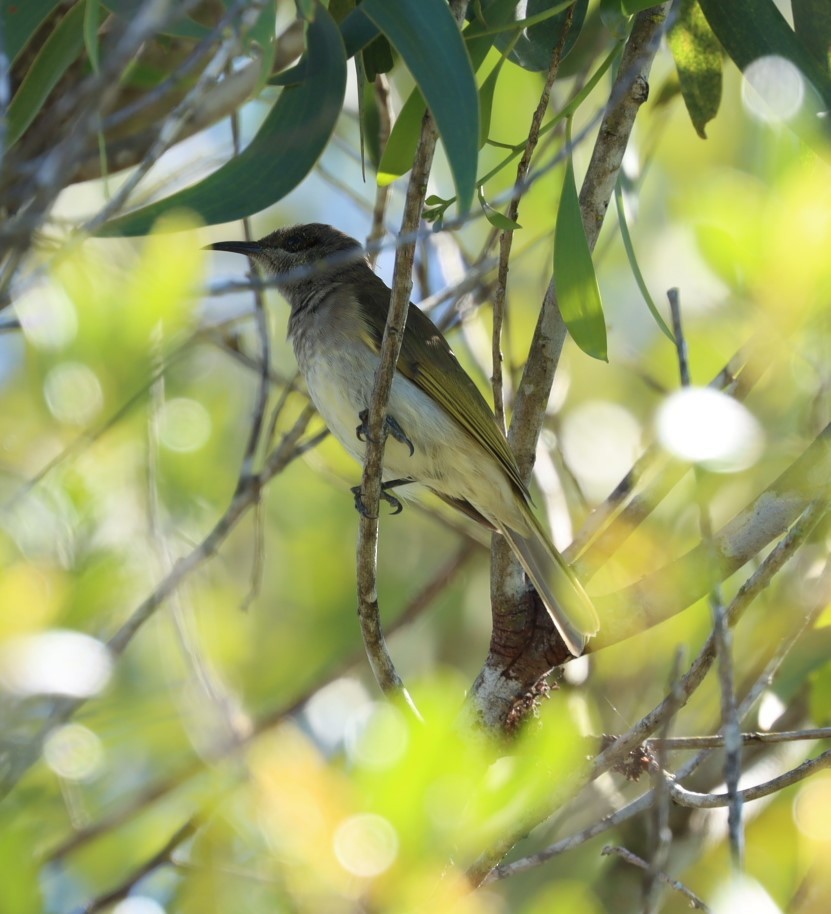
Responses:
[427,360]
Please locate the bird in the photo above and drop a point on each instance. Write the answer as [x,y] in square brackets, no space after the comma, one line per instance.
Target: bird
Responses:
[442,434]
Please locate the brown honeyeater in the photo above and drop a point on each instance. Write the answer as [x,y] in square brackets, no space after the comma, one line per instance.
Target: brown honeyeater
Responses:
[442,433]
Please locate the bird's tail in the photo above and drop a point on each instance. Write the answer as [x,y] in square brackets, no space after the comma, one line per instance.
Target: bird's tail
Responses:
[569,606]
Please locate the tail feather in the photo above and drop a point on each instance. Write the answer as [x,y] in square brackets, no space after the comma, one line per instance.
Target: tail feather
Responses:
[569,606]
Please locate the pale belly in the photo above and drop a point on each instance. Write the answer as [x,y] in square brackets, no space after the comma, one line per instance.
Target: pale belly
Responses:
[445,458]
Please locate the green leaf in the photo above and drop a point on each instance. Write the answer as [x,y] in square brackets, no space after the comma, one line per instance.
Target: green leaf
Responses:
[812,23]
[92,19]
[536,43]
[497,219]
[356,31]
[397,157]
[59,52]
[749,29]
[634,266]
[426,36]
[615,20]
[398,154]
[577,290]
[261,33]
[697,55]
[19,20]
[289,142]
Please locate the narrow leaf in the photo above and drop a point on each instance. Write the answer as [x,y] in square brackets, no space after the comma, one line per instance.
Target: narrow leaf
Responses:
[812,23]
[426,36]
[634,266]
[497,219]
[59,52]
[397,157]
[20,19]
[697,55]
[577,290]
[92,19]
[750,29]
[289,142]
[535,44]
[356,31]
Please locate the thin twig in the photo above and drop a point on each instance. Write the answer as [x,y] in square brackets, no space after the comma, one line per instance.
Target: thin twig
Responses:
[716,740]
[160,858]
[506,237]
[172,125]
[379,212]
[368,611]
[690,798]
[635,860]
[661,835]
[637,734]
[721,630]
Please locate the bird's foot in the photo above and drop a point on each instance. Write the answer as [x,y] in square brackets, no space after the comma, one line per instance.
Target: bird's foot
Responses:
[391,500]
[392,427]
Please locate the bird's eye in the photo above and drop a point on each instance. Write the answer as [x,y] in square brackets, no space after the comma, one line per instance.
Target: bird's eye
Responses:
[296,242]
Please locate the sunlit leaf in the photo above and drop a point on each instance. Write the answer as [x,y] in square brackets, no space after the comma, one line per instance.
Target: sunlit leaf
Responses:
[697,54]
[578,293]
[496,219]
[289,142]
[397,157]
[426,36]
[750,29]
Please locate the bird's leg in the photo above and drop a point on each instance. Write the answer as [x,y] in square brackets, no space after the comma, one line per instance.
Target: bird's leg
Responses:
[392,427]
[391,500]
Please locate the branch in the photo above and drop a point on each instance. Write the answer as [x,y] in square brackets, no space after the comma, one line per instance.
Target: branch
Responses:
[694,800]
[635,860]
[402,282]
[679,696]
[523,648]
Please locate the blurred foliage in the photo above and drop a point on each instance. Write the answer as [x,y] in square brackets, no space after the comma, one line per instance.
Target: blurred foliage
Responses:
[241,716]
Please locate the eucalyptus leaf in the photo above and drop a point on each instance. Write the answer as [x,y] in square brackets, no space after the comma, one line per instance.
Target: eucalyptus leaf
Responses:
[397,157]
[497,220]
[92,19]
[427,37]
[750,29]
[287,145]
[697,55]
[59,52]
[812,23]
[20,19]
[535,45]
[356,31]
[578,293]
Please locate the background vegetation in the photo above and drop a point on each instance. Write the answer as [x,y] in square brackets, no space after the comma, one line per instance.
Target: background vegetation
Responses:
[189,720]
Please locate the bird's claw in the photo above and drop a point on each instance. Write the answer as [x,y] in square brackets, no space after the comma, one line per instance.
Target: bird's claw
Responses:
[391,500]
[392,427]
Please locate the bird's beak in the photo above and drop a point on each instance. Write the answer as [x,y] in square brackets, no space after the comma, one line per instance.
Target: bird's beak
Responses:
[249,248]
